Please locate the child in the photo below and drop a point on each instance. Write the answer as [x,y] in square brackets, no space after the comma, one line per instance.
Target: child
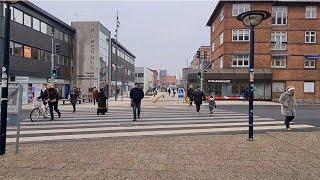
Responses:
[212,104]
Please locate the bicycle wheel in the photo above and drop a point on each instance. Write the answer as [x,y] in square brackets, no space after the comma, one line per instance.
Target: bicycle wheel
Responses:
[35,114]
[46,112]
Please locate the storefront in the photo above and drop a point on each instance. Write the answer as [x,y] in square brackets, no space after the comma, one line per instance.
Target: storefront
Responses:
[232,84]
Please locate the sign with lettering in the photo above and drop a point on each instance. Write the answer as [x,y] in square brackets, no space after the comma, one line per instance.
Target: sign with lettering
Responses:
[219,81]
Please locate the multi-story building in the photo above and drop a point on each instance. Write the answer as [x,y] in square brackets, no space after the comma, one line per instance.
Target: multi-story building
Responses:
[92,48]
[122,66]
[145,77]
[162,74]
[169,81]
[155,78]
[287,50]
[32,31]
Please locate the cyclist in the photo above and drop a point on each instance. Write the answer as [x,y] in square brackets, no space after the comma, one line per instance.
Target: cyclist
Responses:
[52,96]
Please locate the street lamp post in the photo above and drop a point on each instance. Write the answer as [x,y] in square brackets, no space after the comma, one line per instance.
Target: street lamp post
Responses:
[5,78]
[252,19]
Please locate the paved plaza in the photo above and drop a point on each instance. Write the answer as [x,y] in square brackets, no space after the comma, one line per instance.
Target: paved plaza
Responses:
[169,142]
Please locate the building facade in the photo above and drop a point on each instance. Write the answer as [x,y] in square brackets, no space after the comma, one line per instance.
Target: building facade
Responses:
[92,54]
[196,62]
[287,50]
[145,77]
[122,68]
[32,31]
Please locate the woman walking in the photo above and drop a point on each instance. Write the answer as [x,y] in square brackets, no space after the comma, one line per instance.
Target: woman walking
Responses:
[102,103]
[198,98]
[288,106]
[74,97]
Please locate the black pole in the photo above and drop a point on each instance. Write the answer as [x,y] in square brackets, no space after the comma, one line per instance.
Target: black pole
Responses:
[251,74]
[5,77]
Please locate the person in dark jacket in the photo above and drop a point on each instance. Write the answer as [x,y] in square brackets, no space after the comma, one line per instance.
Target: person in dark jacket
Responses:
[52,96]
[95,96]
[136,95]
[198,97]
[190,95]
[102,102]
[74,97]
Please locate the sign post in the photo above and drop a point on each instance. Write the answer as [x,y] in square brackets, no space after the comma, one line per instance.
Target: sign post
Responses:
[181,94]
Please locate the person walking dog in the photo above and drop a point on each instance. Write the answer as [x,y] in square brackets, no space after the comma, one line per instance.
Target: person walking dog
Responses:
[288,106]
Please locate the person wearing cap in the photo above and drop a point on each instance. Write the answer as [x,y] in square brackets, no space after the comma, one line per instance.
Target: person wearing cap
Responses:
[288,106]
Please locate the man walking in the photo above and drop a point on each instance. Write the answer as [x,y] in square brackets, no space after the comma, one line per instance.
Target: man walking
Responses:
[74,97]
[288,106]
[136,95]
[198,98]
[51,94]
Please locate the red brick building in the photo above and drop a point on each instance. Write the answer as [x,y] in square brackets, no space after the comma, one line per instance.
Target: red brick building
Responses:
[195,63]
[287,50]
[169,81]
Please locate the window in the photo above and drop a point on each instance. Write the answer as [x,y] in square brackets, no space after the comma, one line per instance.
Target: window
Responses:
[221,62]
[212,27]
[56,33]
[49,30]
[241,35]
[212,46]
[113,50]
[56,59]
[27,51]
[18,16]
[66,38]
[61,60]
[279,40]
[43,27]
[35,53]
[221,38]
[48,56]
[310,37]
[311,12]
[140,74]
[36,24]
[308,87]
[310,63]
[240,60]
[42,55]
[27,20]
[17,49]
[279,15]
[240,8]
[279,62]
[61,36]
[278,87]
[221,14]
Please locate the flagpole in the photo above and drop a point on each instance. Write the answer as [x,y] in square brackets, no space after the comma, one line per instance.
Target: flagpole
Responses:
[116,74]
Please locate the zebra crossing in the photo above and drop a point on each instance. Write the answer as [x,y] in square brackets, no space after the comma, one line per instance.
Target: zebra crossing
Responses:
[155,121]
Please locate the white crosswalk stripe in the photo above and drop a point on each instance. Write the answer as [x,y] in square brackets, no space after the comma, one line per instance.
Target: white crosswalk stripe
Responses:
[182,120]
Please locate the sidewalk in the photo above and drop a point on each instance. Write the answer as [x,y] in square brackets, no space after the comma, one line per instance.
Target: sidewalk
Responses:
[284,155]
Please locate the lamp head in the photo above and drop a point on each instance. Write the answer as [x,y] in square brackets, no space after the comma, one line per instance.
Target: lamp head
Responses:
[253,18]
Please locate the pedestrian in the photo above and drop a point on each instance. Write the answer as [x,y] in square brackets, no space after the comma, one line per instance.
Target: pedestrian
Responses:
[173,92]
[198,98]
[288,106]
[169,91]
[52,96]
[190,95]
[95,96]
[102,102]
[74,97]
[212,104]
[136,95]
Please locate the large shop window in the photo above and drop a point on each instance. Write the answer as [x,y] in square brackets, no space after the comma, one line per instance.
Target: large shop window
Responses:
[35,53]
[310,63]
[308,87]
[17,49]
[27,51]
[278,87]
[279,15]
[279,40]
[18,16]
[240,8]
[279,62]
[240,61]
[36,24]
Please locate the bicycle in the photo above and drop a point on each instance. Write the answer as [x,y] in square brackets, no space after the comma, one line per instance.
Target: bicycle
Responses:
[39,110]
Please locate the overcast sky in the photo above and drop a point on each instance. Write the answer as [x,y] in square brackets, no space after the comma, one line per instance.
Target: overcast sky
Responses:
[162,34]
